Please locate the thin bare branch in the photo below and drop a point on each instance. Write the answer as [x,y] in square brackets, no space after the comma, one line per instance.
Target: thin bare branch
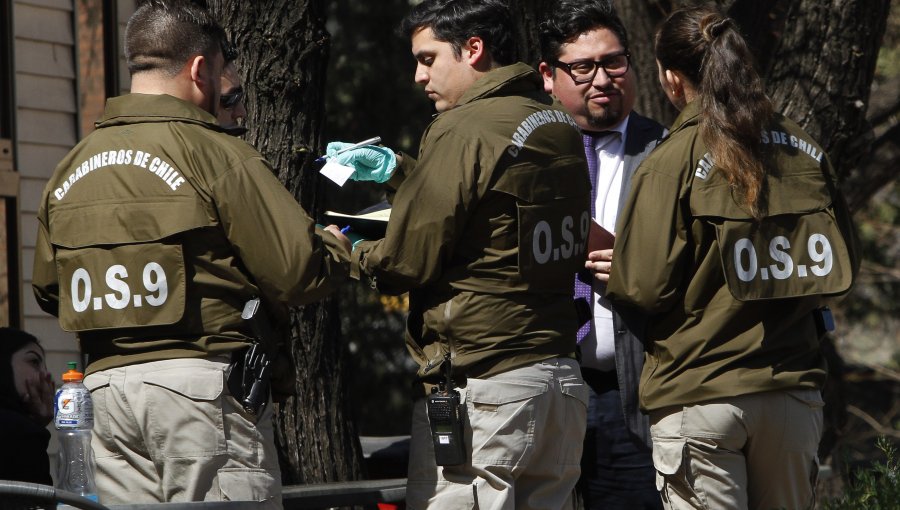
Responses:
[872,422]
[885,371]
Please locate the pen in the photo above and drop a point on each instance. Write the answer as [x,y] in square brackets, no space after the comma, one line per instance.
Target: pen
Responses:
[345,229]
[370,141]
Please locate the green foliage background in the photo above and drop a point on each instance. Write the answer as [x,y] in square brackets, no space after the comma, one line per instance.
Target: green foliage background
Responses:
[876,487]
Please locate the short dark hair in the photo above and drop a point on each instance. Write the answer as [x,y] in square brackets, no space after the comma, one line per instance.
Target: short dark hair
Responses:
[571,18]
[163,34]
[454,21]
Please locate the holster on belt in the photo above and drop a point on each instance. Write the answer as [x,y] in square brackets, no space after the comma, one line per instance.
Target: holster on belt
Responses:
[250,373]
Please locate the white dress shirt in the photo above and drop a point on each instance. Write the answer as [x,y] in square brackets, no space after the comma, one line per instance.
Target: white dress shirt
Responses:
[598,350]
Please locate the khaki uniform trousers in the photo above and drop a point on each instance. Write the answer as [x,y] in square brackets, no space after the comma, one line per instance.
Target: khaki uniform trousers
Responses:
[169,431]
[524,432]
[754,451]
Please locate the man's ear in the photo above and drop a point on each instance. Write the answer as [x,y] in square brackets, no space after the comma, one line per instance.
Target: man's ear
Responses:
[547,74]
[199,70]
[474,52]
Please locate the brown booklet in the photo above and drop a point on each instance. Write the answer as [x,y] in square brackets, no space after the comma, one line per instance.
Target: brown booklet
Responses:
[599,238]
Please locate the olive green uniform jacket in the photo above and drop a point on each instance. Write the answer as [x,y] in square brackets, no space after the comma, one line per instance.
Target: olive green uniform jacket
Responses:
[731,301]
[158,226]
[487,231]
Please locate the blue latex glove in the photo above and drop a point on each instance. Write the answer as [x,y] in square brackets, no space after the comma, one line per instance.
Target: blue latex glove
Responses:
[371,162]
[354,239]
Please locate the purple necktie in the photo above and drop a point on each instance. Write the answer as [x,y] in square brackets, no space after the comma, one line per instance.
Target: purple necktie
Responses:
[583,279]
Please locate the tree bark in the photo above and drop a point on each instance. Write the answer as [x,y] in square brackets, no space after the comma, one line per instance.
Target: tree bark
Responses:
[640,18]
[822,70]
[528,15]
[283,49]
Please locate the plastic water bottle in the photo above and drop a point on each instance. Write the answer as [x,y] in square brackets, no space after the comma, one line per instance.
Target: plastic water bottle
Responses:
[74,419]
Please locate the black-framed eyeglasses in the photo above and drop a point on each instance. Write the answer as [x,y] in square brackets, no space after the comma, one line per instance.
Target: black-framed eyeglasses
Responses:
[583,71]
[230,100]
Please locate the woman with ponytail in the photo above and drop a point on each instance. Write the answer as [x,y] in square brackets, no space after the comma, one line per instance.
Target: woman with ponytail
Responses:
[732,238]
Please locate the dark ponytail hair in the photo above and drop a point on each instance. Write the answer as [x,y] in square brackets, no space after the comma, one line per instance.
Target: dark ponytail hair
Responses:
[706,47]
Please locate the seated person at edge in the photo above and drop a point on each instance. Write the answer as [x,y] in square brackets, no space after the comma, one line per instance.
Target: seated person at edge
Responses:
[26,408]
[740,233]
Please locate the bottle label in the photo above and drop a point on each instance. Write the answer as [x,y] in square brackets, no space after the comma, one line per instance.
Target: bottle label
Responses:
[74,409]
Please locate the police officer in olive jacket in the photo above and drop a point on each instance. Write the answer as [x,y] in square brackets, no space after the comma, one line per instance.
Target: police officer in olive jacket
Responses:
[153,233]
[741,233]
[587,66]
[487,229]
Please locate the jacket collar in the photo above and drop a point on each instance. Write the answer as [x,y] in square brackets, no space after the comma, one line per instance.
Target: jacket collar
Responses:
[140,108]
[688,116]
[513,78]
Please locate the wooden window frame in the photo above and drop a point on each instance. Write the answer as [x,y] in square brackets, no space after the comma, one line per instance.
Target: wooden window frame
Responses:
[9,178]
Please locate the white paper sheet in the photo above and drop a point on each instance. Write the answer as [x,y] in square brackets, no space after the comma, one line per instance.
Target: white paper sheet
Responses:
[337,172]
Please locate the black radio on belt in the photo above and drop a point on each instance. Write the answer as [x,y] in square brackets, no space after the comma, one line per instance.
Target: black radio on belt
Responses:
[445,414]
[824,320]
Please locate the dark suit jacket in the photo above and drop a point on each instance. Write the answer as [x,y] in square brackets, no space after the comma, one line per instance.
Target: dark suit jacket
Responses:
[641,136]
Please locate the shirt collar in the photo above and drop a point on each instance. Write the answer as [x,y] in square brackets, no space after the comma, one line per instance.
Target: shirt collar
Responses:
[618,129]
[604,137]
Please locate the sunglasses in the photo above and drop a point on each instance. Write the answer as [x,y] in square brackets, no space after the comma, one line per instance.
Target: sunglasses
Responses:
[230,100]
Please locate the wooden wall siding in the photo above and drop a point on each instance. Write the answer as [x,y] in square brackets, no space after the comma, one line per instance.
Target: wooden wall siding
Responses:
[46,119]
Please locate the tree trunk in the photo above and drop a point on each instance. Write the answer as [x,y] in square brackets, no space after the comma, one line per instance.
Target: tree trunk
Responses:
[817,58]
[528,15]
[640,18]
[821,74]
[283,49]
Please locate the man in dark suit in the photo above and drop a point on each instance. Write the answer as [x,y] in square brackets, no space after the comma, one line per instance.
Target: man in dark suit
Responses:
[586,65]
